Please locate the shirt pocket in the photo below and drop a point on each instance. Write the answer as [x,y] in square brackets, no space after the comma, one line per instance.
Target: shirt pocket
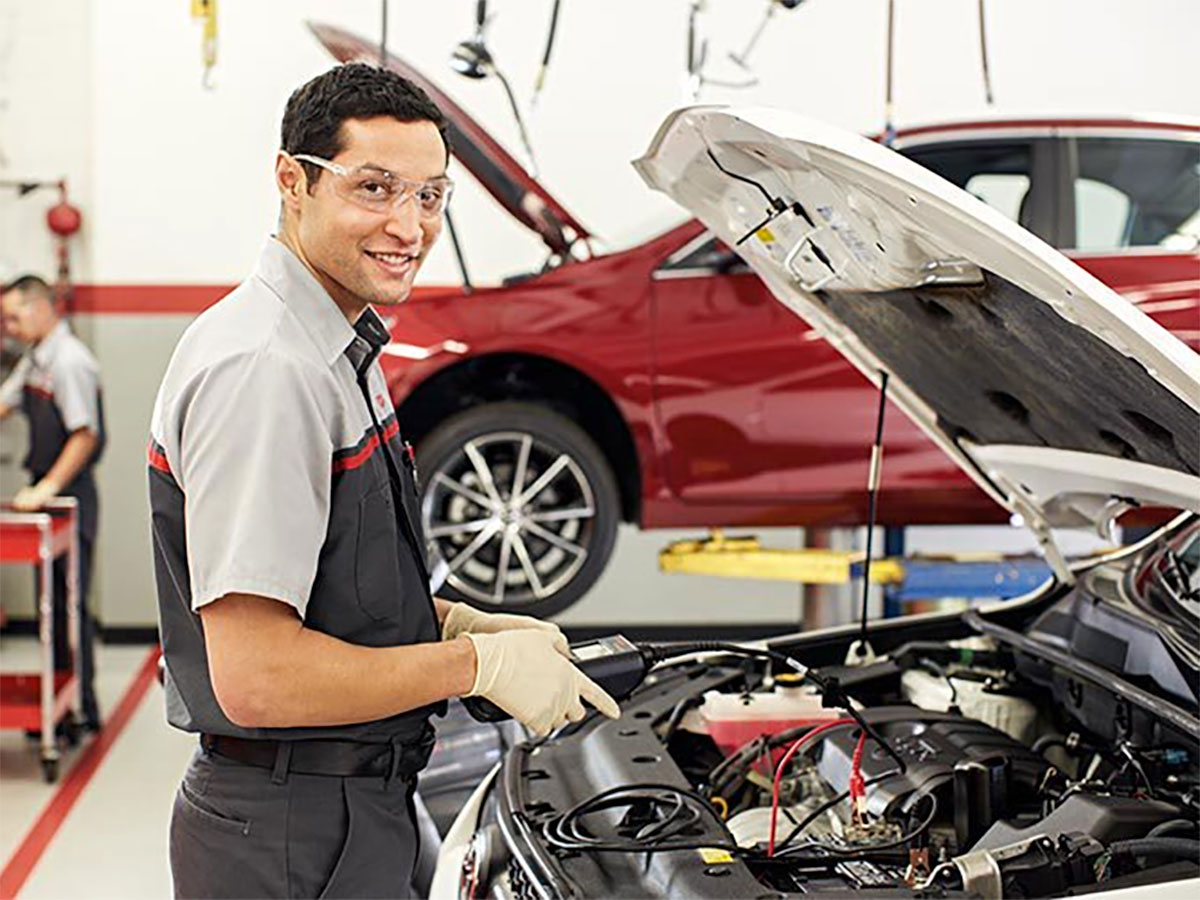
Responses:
[377,579]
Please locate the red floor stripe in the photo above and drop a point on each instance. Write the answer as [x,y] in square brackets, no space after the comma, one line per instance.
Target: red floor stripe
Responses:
[26,857]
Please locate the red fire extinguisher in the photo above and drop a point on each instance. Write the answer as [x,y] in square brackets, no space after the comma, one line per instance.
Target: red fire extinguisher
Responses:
[64,220]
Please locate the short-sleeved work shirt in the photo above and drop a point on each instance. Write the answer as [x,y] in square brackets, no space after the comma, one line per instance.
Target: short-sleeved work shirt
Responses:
[277,469]
[57,384]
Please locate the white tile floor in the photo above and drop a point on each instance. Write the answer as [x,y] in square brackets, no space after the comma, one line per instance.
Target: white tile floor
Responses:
[113,843]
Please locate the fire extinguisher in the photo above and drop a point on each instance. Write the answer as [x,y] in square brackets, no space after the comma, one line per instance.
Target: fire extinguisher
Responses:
[64,220]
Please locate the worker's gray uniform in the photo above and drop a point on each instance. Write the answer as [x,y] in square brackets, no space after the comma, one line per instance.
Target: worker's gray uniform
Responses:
[57,385]
[277,469]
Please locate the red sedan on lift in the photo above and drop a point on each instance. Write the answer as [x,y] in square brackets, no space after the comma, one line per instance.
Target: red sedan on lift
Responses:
[664,386]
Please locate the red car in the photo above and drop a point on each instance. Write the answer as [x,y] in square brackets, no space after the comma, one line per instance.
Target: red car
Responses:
[663,385]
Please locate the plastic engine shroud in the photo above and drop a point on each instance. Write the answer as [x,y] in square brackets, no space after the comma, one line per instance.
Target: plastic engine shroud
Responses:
[931,744]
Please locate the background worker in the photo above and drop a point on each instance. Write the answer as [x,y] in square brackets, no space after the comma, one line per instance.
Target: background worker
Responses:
[56,383]
[299,633]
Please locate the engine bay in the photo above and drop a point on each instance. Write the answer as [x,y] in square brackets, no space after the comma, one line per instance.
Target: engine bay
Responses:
[968,766]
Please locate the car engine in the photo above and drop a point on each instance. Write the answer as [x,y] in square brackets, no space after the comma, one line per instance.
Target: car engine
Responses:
[942,768]
[966,779]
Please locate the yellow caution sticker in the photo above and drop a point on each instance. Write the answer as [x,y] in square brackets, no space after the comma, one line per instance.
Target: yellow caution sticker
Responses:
[765,235]
[714,857]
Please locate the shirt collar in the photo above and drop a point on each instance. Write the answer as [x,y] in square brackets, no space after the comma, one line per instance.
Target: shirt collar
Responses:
[299,289]
[43,351]
[370,337]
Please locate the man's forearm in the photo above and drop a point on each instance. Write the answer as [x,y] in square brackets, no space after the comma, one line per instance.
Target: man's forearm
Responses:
[291,676]
[75,454]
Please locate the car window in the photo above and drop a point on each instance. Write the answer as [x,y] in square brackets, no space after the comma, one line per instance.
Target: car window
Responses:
[706,255]
[1003,191]
[1136,193]
[999,174]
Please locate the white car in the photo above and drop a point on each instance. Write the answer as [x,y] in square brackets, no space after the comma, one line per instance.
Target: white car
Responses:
[1039,747]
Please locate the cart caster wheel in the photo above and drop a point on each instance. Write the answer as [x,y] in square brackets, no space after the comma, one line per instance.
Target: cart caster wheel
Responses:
[50,770]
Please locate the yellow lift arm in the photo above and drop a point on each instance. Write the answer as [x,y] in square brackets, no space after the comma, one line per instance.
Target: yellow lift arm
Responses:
[745,557]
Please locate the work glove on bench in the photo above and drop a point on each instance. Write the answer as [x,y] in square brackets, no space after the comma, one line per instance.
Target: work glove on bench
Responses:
[465,619]
[527,675]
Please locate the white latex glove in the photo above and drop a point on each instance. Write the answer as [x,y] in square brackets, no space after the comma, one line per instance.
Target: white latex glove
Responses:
[465,619]
[34,497]
[524,673]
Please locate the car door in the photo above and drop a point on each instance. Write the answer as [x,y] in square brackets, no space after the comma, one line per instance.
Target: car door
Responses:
[721,343]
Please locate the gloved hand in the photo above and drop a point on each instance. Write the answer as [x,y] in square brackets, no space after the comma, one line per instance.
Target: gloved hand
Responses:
[465,619]
[34,497]
[526,675]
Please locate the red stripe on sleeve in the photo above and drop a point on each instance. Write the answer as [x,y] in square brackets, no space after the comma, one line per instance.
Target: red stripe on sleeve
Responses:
[157,459]
[353,462]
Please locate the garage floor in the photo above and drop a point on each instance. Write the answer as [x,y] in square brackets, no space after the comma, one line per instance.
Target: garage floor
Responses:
[111,841]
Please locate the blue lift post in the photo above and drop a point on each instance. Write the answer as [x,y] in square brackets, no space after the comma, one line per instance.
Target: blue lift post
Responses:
[893,548]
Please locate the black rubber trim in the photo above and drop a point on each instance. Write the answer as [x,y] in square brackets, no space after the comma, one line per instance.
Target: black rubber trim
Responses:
[1102,678]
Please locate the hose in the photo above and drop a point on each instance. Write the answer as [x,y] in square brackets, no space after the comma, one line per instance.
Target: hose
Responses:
[1173,825]
[1179,848]
[1046,741]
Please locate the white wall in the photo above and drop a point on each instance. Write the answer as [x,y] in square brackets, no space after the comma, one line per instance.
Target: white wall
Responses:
[175,181]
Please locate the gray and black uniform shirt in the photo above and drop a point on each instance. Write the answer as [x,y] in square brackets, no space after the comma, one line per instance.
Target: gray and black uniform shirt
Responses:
[57,385]
[277,469]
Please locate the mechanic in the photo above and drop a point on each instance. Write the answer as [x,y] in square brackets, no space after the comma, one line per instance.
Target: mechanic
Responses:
[299,633]
[56,383]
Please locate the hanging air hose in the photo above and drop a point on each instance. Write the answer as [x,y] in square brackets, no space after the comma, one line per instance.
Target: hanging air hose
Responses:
[206,10]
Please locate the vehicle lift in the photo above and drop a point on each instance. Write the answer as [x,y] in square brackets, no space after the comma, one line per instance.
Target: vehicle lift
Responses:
[905,579]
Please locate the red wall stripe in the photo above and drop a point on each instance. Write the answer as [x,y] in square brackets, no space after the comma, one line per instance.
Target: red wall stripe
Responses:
[174,299]
[22,863]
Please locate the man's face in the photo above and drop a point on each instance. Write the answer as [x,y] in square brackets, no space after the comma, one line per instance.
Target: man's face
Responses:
[361,255]
[28,317]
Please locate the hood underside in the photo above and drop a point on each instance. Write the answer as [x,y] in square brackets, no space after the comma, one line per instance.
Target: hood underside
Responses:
[1006,353]
[493,166]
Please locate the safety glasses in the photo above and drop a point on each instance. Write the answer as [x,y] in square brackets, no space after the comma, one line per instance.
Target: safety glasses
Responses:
[381,191]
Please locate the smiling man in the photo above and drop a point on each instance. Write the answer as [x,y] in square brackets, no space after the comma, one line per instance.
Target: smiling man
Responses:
[300,636]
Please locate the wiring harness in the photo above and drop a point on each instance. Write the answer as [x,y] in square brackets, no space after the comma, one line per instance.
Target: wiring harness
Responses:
[657,818]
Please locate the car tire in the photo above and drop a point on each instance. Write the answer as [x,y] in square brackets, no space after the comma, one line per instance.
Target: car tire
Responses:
[559,538]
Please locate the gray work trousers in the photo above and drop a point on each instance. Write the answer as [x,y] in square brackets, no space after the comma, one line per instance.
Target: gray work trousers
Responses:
[239,831]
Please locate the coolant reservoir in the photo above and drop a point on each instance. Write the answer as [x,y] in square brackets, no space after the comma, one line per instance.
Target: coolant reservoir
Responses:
[733,720]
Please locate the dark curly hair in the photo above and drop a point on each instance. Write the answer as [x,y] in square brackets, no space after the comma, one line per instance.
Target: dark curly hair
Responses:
[312,121]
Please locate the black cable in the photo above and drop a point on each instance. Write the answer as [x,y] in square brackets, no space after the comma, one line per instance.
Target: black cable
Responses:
[774,202]
[938,669]
[550,34]
[383,30]
[683,809]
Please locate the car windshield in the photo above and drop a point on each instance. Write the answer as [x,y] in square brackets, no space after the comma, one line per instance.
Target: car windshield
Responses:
[1170,590]
[650,226]
[1179,573]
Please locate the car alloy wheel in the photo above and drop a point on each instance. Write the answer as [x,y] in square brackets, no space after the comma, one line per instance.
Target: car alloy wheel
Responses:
[519,508]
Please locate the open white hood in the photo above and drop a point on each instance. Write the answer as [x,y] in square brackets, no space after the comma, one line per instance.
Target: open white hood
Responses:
[1062,400]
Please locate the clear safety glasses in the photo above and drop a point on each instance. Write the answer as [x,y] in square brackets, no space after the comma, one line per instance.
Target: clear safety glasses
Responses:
[381,191]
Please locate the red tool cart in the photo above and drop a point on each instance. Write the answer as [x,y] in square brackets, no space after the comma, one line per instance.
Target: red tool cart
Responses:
[42,700]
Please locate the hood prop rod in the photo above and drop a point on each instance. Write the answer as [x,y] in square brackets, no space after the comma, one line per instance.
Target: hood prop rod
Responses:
[861,649]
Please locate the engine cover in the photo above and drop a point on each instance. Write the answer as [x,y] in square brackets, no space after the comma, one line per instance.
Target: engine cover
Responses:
[931,744]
